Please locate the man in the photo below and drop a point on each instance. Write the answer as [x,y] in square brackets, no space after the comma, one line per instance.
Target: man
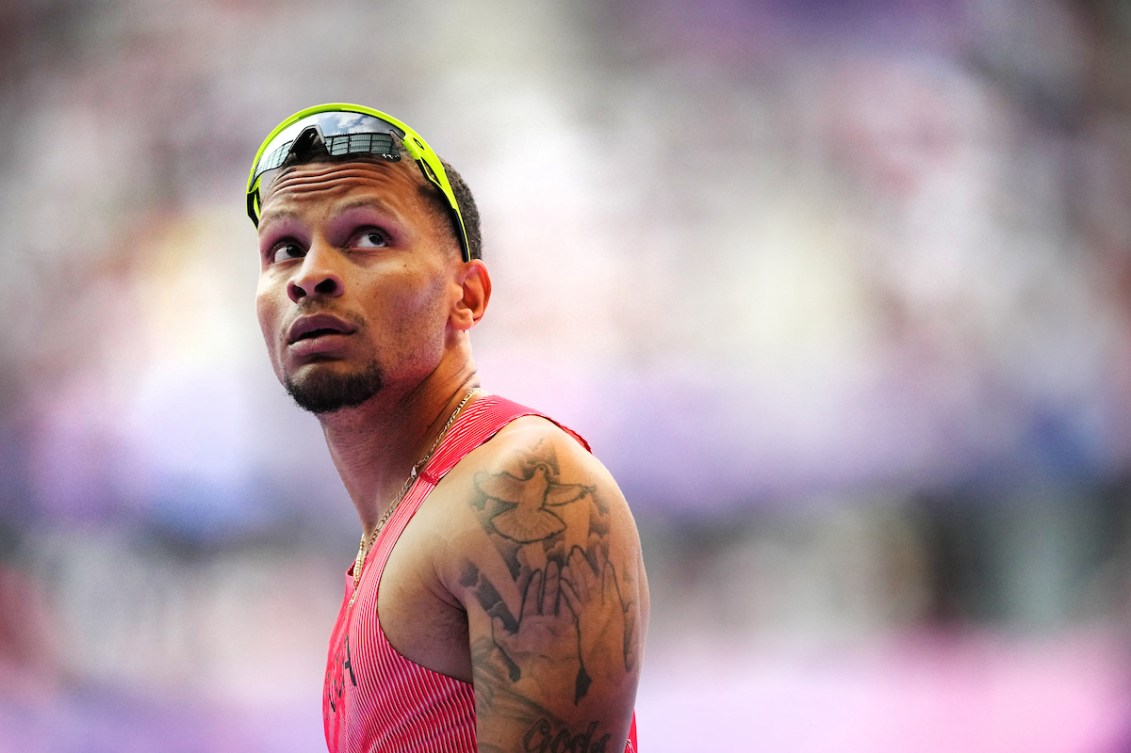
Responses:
[498,599]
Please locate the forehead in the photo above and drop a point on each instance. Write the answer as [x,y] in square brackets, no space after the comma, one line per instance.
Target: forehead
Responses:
[319,185]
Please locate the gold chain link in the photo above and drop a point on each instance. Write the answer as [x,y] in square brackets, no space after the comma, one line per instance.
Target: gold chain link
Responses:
[367,541]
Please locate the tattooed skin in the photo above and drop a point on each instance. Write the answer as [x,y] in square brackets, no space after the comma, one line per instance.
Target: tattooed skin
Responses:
[546,736]
[574,627]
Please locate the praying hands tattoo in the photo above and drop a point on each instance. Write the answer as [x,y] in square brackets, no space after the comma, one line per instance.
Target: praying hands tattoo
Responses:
[553,535]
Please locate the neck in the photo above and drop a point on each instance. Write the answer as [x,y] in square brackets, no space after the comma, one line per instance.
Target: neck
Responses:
[375,445]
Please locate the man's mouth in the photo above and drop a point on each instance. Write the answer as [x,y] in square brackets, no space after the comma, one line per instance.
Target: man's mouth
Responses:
[317,333]
[317,325]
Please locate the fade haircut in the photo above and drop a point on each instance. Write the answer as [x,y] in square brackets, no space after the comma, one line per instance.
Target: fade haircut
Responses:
[467,209]
[464,199]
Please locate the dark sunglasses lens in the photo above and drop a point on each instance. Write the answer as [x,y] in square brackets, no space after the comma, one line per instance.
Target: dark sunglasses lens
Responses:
[342,133]
[378,144]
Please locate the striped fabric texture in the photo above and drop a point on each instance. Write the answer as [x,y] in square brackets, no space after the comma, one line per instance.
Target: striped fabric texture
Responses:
[376,700]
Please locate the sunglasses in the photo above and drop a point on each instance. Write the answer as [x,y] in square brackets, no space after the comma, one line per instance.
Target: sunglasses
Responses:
[346,130]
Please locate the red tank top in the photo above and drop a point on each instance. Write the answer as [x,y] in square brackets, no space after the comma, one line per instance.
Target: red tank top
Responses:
[376,700]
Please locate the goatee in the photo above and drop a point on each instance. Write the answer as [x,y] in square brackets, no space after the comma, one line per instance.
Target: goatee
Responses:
[324,392]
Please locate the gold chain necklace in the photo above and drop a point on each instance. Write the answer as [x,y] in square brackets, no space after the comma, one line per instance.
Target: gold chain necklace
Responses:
[367,541]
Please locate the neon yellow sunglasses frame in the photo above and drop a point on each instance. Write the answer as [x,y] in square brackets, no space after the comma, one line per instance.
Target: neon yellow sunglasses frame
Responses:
[424,156]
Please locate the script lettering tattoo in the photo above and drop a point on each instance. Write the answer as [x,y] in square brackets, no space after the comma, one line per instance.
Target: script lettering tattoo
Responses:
[544,737]
[553,534]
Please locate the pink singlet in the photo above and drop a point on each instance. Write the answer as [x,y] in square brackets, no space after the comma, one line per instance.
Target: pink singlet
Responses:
[375,699]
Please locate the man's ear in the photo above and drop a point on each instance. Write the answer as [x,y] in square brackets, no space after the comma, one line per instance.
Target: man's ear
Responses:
[475,284]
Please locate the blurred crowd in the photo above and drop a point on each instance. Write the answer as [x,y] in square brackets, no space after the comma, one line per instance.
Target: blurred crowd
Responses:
[840,291]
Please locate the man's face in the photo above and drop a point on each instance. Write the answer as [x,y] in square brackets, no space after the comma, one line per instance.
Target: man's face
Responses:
[357,278]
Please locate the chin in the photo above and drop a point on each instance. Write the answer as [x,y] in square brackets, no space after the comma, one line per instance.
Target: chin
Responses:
[322,391]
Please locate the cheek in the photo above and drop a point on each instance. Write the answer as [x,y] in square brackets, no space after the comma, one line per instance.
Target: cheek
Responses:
[267,311]
[414,318]
[434,306]
[415,297]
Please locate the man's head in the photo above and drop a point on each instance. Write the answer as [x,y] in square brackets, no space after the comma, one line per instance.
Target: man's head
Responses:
[365,277]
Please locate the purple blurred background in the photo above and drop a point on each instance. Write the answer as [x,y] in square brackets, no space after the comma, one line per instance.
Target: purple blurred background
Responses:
[840,291]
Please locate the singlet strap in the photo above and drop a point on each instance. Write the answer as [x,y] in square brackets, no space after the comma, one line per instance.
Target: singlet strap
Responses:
[482,420]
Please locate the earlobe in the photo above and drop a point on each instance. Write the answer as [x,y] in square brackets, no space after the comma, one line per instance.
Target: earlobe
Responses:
[475,284]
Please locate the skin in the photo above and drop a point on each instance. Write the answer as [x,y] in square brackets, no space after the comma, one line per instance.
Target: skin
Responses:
[521,573]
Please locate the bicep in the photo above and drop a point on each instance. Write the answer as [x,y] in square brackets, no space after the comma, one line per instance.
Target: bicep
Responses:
[556,602]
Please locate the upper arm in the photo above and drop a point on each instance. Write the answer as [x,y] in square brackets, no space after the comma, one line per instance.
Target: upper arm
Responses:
[554,588]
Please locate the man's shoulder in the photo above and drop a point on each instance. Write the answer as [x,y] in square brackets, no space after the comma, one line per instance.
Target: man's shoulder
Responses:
[529,432]
[532,484]
[516,421]
[541,555]
[530,445]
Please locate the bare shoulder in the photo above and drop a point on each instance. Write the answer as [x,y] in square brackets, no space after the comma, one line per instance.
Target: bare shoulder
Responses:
[549,471]
[535,488]
[550,573]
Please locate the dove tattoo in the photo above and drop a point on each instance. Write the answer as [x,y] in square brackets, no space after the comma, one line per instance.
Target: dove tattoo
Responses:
[528,499]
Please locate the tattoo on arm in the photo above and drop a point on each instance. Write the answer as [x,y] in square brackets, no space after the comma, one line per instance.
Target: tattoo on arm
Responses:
[546,736]
[554,536]
[547,732]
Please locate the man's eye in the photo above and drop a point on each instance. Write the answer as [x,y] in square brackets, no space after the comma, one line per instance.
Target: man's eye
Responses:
[285,251]
[370,238]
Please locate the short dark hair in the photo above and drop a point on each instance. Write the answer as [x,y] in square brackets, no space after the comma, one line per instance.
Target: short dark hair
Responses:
[467,209]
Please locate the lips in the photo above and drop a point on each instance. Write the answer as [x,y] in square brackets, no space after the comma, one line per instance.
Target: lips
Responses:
[317,325]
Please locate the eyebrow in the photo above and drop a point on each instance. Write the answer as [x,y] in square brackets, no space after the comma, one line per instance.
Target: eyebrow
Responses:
[274,215]
[367,203]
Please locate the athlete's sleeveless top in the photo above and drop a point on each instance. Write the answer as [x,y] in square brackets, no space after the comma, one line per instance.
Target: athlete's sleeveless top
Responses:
[376,700]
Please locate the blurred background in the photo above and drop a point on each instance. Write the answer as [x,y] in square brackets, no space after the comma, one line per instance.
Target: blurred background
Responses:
[840,290]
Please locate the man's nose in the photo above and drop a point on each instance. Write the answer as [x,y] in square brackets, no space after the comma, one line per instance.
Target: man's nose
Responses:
[317,275]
